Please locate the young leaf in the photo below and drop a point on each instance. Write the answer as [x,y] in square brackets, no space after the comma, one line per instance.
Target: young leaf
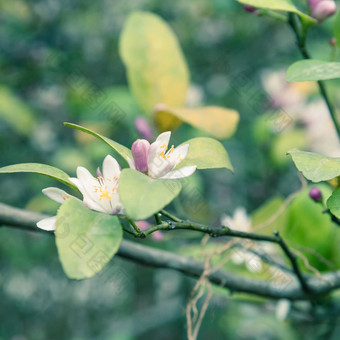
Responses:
[278,5]
[206,153]
[86,240]
[41,169]
[121,149]
[312,70]
[156,68]
[216,121]
[316,167]
[333,203]
[143,196]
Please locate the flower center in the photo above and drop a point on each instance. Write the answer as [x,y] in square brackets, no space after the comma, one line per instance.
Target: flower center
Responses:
[166,155]
[104,194]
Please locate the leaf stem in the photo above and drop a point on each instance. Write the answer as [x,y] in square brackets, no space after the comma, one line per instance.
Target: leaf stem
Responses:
[138,233]
[158,218]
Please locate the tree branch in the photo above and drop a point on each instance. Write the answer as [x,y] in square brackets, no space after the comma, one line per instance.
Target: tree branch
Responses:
[140,253]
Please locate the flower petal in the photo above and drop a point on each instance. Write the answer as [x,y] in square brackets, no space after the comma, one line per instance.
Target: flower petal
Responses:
[111,167]
[180,173]
[87,184]
[164,138]
[48,223]
[56,194]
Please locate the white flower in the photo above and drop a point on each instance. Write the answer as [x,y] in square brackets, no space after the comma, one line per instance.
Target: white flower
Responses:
[240,221]
[100,194]
[159,162]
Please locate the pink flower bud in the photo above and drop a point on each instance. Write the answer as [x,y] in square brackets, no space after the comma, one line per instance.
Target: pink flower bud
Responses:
[323,10]
[313,3]
[140,149]
[315,194]
[143,128]
[249,8]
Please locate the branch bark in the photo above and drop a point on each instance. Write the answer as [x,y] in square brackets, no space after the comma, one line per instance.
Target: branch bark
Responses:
[137,252]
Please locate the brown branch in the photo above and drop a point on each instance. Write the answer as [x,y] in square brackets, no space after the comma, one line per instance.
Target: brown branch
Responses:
[140,253]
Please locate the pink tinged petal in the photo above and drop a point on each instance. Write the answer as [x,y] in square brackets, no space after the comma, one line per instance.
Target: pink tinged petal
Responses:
[140,149]
[131,163]
[56,194]
[111,167]
[180,173]
[47,223]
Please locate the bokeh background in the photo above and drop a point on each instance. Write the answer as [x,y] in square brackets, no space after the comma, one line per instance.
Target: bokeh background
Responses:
[55,57]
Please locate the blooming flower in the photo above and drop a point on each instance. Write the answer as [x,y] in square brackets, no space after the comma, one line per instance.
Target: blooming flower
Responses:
[157,161]
[100,194]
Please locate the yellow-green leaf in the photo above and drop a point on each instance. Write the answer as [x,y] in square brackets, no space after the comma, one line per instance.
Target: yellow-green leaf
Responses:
[216,121]
[206,153]
[41,169]
[316,167]
[313,70]
[86,240]
[156,69]
[143,196]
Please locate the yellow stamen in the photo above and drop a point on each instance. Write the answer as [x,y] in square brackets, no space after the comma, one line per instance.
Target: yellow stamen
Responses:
[104,194]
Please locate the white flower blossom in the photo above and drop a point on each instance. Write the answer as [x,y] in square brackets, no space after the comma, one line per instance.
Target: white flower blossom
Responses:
[100,194]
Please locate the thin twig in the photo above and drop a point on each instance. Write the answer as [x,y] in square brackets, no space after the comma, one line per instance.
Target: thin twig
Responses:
[293,261]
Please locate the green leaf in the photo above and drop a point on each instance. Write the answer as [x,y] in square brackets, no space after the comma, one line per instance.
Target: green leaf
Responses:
[156,69]
[206,153]
[333,203]
[143,196]
[120,149]
[216,121]
[86,240]
[313,70]
[316,167]
[41,169]
[278,5]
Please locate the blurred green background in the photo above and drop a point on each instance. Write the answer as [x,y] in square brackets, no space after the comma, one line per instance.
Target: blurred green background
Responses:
[59,62]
